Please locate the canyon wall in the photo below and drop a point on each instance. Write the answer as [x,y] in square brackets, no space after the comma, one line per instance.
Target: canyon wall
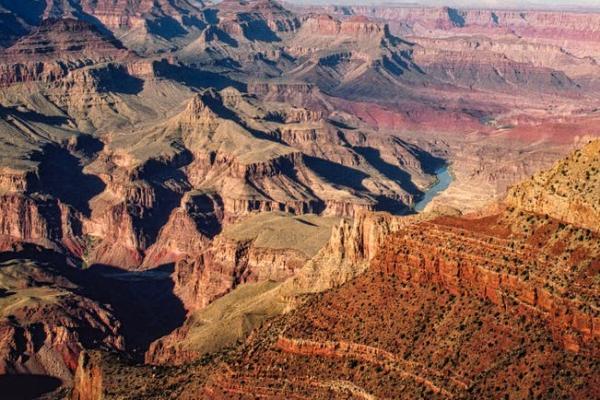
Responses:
[501,268]
[342,256]
[46,321]
[568,191]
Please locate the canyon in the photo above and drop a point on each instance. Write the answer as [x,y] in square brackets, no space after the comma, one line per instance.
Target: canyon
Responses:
[228,199]
[494,303]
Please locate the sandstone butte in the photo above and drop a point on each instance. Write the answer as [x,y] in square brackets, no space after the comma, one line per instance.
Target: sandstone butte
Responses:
[215,200]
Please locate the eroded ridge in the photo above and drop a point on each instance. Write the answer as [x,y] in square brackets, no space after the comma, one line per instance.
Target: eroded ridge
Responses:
[394,338]
[510,259]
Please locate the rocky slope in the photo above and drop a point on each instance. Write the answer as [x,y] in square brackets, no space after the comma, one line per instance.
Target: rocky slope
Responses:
[344,339]
[265,247]
[256,254]
[345,255]
[499,51]
[225,156]
[46,321]
[500,303]
[566,27]
[569,191]
[57,48]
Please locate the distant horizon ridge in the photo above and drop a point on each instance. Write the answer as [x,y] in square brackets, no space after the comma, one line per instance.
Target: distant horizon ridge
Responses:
[492,4]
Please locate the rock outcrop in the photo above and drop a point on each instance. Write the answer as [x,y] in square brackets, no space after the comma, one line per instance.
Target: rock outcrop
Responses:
[88,381]
[359,28]
[57,48]
[256,254]
[345,255]
[261,20]
[501,268]
[189,230]
[569,191]
[38,220]
[46,322]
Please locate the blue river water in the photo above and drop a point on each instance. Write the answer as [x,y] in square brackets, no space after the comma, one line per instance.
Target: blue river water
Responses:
[443,181]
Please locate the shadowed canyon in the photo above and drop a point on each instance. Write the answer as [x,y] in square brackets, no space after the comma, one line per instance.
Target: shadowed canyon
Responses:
[245,199]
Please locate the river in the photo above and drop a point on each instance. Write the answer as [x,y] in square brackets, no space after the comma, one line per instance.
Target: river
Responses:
[443,181]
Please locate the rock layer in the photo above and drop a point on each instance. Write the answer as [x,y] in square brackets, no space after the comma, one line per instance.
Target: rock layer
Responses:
[46,322]
[568,191]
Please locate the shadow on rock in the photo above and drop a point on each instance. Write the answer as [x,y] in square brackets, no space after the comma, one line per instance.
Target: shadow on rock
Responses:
[27,387]
[390,171]
[195,77]
[143,301]
[336,173]
[165,27]
[61,175]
